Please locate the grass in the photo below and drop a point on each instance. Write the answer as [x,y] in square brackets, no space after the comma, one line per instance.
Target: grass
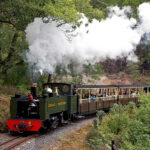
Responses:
[11,90]
[5,95]
[76,140]
[4,111]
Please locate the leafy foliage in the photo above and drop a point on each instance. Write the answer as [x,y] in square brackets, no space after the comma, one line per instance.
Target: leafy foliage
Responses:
[133,69]
[127,127]
[93,70]
[93,139]
[4,112]
[103,4]
[85,7]
[17,14]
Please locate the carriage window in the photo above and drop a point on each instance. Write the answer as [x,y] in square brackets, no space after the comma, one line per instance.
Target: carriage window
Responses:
[65,89]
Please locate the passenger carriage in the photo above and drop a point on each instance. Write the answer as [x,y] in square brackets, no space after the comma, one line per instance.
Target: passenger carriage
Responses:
[107,95]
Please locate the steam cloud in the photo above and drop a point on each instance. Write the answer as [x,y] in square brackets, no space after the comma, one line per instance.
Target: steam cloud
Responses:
[117,35]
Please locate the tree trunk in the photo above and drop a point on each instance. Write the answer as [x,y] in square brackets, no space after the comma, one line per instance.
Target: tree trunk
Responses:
[5,63]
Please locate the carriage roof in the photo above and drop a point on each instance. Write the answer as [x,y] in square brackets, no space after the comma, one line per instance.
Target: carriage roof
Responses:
[111,86]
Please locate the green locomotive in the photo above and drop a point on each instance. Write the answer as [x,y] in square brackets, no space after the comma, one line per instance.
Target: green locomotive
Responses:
[43,111]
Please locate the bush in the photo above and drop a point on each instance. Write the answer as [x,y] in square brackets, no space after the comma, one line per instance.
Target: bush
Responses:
[4,114]
[127,127]
[133,70]
[93,139]
[100,114]
[95,71]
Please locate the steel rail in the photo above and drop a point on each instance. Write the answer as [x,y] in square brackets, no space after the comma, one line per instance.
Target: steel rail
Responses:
[6,142]
[20,142]
[17,143]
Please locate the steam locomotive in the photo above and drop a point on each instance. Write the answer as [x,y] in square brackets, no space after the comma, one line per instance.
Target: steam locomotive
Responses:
[65,102]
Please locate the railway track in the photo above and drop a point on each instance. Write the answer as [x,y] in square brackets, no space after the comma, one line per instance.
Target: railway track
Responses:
[14,142]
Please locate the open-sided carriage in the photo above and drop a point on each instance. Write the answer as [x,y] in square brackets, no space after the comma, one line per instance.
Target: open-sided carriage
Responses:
[96,97]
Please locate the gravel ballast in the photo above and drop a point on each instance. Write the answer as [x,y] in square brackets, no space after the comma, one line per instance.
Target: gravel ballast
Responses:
[49,139]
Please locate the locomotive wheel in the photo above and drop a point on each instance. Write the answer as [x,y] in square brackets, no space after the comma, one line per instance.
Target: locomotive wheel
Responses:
[42,130]
[13,133]
[55,123]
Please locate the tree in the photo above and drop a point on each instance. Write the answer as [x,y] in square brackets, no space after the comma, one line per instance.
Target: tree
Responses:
[85,7]
[15,15]
[104,4]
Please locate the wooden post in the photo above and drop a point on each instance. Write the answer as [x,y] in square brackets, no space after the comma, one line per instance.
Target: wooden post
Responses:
[137,91]
[81,96]
[120,91]
[109,91]
[129,92]
[97,92]
[89,95]
[103,93]
[116,92]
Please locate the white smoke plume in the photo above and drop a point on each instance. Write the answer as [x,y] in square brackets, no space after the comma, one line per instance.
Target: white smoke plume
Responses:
[144,11]
[117,35]
[144,14]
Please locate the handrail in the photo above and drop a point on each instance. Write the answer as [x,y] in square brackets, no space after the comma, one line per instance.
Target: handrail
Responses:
[108,98]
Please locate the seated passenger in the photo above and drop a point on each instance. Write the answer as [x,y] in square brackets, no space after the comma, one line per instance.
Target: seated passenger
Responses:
[75,92]
[86,96]
[123,92]
[133,94]
[137,93]
[105,95]
[93,98]
[100,95]
[113,95]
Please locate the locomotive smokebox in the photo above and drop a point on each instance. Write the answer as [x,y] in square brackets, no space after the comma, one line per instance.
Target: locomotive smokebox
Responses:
[33,90]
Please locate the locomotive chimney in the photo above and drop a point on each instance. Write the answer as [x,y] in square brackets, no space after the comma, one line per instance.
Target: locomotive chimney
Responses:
[33,90]
[49,78]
